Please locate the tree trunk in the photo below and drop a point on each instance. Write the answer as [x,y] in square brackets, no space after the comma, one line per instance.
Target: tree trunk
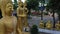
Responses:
[59,17]
[42,11]
[53,19]
[41,15]
[29,12]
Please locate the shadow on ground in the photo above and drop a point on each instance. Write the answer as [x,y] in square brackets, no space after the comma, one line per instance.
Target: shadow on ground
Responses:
[43,33]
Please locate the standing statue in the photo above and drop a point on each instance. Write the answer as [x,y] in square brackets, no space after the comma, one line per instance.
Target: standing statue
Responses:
[8,22]
[19,14]
[22,16]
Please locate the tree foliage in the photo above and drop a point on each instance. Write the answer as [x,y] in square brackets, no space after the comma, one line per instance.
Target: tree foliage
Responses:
[32,4]
[15,4]
[42,1]
[54,5]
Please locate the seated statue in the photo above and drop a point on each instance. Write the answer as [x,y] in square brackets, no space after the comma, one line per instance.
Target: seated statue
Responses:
[8,22]
[20,17]
[41,25]
[49,25]
[57,25]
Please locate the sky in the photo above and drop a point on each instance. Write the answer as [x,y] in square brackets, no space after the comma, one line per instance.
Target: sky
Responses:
[46,1]
[17,0]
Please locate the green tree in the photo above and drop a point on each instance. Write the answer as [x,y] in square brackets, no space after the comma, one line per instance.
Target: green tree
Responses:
[58,8]
[15,4]
[51,5]
[54,5]
[47,8]
[32,4]
[34,29]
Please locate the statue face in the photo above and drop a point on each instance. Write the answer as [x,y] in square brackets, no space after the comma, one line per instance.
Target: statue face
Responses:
[9,8]
[20,3]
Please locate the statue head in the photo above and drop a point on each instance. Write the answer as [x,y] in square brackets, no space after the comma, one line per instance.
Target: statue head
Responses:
[49,21]
[4,6]
[9,9]
[41,21]
[20,3]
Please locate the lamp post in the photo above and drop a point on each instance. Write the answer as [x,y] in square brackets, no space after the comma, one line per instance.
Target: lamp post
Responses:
[42,8]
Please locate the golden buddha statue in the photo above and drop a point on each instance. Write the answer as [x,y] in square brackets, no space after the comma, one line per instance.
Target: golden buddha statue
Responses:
[22,15]
[41,25]
[57,25]
[8,22]
[49,25]
[19,14]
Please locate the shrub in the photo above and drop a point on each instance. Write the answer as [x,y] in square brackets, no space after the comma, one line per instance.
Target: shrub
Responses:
[34,29]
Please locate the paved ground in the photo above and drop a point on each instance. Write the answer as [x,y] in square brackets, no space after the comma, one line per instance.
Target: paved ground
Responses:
[36,20]
[26,33]
[39,33]
[49,31]
[44,33]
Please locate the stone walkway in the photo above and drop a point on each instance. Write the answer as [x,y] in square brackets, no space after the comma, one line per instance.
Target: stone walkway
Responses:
[39,33]
[26,33]
[49,31]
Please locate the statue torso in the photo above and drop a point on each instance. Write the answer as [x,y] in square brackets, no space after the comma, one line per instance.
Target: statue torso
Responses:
[20,10]
[9,24]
